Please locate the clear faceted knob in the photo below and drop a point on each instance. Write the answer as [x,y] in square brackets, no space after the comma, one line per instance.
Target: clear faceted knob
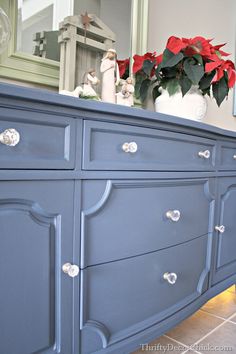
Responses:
[10,137]
[204,154]
[173,215]
[220,228]
[131,147]
[170,277]
[71,269]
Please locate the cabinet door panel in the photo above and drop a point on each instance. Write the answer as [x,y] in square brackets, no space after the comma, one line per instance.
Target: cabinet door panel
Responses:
[225,260]
[34,219]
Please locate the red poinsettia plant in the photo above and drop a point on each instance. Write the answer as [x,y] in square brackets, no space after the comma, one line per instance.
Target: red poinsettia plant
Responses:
[185,62]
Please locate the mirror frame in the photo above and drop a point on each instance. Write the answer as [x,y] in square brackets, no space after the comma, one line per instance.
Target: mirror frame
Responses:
[32,69]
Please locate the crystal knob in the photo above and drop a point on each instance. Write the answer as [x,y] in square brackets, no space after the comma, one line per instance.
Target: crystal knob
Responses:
[131,147]
[10,137]
[204,154]
[173,215]
[220,228]
[71,269]
[170,277]
[234,156]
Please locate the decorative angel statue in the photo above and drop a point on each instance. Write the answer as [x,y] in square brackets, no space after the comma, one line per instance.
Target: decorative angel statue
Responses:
[86,90]
[110,76]
[125,96]
[90,80]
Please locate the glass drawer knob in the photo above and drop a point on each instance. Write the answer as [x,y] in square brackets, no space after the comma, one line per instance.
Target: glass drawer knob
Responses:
[170,277]
[10,137]
[71,269]
[131,147]
[204,154]
[173,215]
[234,157]
[220,228]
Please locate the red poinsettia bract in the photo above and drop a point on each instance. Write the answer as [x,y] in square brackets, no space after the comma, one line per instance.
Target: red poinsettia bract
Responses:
[175,44]
[123,66]
[139,60]
[196,45]
[222,66]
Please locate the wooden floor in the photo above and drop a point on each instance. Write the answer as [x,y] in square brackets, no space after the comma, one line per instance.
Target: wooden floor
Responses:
[212,329]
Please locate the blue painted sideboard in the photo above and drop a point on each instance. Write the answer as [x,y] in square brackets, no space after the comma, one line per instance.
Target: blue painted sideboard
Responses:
[115,223]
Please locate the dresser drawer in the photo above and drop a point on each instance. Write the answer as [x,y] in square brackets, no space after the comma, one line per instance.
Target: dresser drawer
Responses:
[227,156]
[109,146]
[125,218]
[46,141]
[124,297]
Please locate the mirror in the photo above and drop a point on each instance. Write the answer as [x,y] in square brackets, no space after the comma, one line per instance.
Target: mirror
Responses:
[38,24]
[33,52]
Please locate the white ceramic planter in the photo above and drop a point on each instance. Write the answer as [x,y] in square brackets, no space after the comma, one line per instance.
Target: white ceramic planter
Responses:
[192,106]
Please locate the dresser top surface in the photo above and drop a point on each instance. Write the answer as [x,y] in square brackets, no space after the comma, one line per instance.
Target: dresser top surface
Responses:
[20,94]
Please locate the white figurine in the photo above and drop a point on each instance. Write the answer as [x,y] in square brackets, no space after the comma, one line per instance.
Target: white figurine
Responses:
[87,90]
[76,93]
[125,97]
[110,76]
[90,80]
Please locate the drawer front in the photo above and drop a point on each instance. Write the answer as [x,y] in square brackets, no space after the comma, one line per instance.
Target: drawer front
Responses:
[228,157]
[105,148]
[46,142]
[131,217]
[122,298]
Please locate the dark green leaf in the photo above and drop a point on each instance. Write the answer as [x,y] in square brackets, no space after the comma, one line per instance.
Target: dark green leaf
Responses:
[172,86]
[198,58]
[194,71]
[148,66]
[139,78]
[157,71]
[206,80]
[220,90]
[155,92]
[170,72]
[206,91]
[170,59]
[144,89]
[185,84]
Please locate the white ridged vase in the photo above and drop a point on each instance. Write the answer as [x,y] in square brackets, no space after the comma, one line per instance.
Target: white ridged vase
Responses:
[192,106]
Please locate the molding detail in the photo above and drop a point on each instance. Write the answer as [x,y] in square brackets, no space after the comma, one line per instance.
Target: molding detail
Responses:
[100,204]
[100,329]
[35,211]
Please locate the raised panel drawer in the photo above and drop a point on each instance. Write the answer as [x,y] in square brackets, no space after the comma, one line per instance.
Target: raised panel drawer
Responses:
[157,150]
[46,142]
[122,298]
[228,156]
[125,218]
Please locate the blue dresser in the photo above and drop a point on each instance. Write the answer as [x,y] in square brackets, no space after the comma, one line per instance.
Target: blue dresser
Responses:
[115,223]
